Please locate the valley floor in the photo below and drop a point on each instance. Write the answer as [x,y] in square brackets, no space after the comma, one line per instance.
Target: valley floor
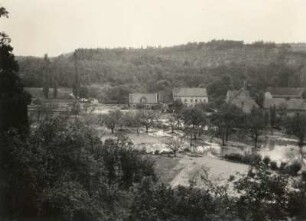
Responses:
[204,156]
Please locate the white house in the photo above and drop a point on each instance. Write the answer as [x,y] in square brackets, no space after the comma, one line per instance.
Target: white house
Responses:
[190,96]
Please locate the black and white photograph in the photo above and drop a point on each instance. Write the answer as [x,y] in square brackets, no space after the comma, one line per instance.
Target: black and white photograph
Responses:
[152,110]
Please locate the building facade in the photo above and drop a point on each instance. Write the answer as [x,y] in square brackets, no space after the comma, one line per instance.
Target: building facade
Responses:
[146,100]
[290,99]
[190,96]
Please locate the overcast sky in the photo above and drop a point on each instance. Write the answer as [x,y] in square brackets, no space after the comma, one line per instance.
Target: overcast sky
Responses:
[60,26]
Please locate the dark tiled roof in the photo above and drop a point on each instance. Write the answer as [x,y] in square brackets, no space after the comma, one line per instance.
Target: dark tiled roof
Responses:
[285,92]
[189,92]
[136,98]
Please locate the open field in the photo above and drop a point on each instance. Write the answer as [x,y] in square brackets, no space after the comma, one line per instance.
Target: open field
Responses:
[182,169]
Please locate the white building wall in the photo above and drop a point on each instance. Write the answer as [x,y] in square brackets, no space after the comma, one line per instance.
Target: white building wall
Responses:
[192,101]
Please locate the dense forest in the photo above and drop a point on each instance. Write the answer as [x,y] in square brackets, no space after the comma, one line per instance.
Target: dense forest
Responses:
[219,65]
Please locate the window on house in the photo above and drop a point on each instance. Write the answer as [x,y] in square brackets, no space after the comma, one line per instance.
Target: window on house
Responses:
[191,100]
[185,100]
[196,100]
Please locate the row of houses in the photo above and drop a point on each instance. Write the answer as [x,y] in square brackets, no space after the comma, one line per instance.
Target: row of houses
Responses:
[290,99]
[287,98]
[188,96]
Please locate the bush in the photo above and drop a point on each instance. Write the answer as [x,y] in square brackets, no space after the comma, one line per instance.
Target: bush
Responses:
[273,165]
[293,168]
[252,159]
[156,152]
[266,160]
[157,107]
[282,166]
[161,202]
[186,149]
[36,101]
[303,174]
[236,157]
[247,159]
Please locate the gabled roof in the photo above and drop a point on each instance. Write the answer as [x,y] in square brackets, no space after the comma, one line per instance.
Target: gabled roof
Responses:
[149,98]
[189,92]
[290,104]
[241,98]
[286,92]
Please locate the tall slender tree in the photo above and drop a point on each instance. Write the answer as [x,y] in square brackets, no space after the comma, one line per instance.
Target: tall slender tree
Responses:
[46,76]
[256,123]
[55,80]
[226,119]
[76,84]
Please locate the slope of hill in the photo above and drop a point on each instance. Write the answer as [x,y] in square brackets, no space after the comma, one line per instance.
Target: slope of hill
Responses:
[225,64]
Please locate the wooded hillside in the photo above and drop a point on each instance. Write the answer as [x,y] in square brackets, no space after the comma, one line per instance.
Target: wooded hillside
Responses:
[217,65]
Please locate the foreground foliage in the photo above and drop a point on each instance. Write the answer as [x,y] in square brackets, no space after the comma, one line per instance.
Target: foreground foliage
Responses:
[63,170]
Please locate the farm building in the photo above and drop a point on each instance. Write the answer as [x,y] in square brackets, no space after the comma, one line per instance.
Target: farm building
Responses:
[190,96]
[284,92]
[290,99]
[147,100]
[242,99]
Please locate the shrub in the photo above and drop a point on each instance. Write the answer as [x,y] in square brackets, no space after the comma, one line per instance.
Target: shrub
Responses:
[36,101]
[252,159]
[161,202]
[236,157]
[273,165]
[231,178]
[156,107]
[247,159]
[293,168]
[282,166]
[186,149]
[303,174]
[266,160]
[140,106]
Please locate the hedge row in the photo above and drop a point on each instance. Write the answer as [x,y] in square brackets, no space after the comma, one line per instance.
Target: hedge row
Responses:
[289,168]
